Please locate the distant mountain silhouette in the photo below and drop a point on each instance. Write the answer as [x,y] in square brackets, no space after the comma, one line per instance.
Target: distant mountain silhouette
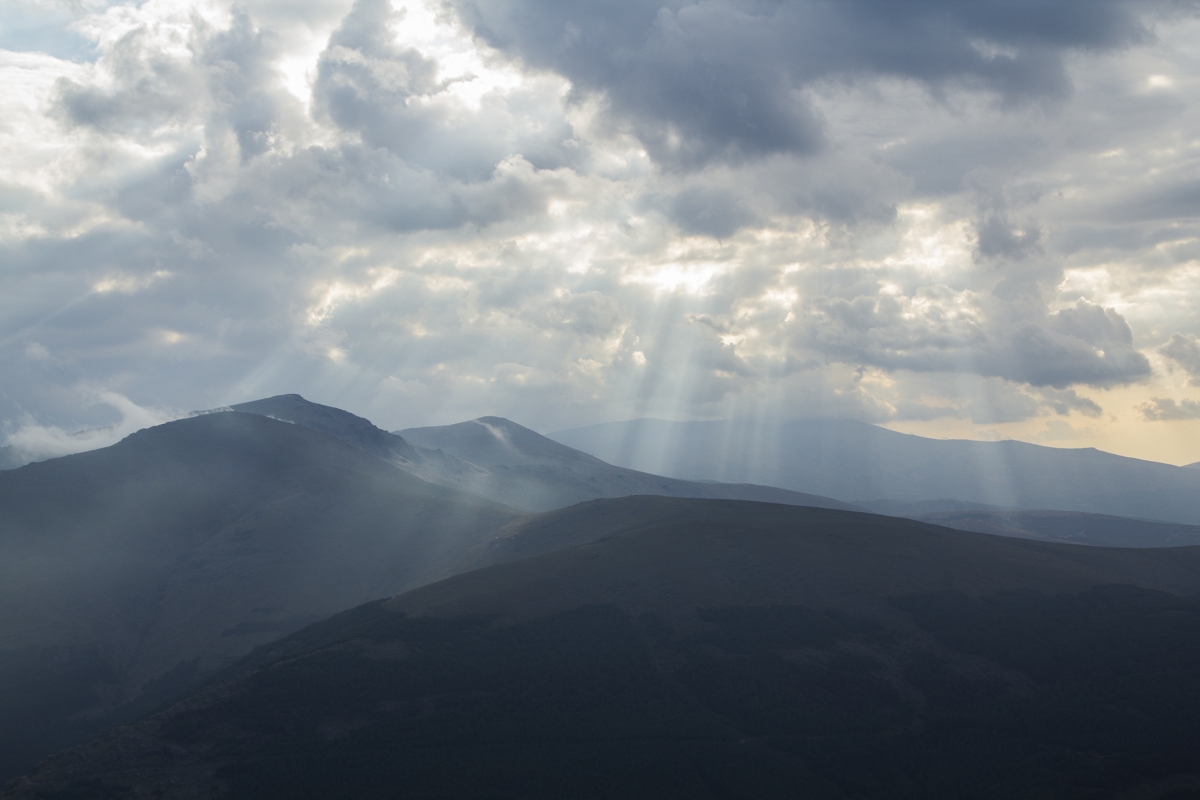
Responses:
[528,470]
[1070,526]
[859,463]
[505,462]
[9,458]
[701,649]
[185,545]
[1074,527]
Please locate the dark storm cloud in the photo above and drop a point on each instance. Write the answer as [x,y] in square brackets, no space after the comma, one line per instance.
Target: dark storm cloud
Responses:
[724,79]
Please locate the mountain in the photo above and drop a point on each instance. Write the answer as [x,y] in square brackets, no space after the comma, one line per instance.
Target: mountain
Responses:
[130,570]
[1053,526]
[1070,526]
[430,465]
[1193,466]
[701,649]
[858,463]
[528,470]
[505,462]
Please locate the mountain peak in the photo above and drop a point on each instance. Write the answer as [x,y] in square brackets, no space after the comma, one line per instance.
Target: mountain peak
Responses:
[350,428]
[495,441]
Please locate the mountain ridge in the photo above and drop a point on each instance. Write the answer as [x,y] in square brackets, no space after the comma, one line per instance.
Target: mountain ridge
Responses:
[861,463]
[185,545]
[508,463]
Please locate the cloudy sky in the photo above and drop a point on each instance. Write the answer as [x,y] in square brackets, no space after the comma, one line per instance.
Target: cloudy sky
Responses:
[972,219]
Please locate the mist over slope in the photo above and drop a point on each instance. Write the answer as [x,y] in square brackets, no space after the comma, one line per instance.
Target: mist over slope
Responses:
[857,462]
[704,649]
[185,545]
[529,470]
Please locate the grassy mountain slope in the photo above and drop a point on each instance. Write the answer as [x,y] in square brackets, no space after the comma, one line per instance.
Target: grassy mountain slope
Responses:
[856,462]
[707,649]
[182,547]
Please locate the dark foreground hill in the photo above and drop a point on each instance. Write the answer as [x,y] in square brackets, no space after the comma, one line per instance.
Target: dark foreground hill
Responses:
[856,462]
[705,649]
[129,571]
[505,462]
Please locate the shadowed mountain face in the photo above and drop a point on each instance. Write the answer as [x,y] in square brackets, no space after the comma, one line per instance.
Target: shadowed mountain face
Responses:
[528,470]
[705,649]
[856,462]
[137,567]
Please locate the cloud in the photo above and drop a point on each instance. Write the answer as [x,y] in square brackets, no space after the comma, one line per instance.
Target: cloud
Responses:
[1165,408]
[33,442]
[924,211]
[711,211]
[997,238]
[1184,351]
[1080,344]
[725,79]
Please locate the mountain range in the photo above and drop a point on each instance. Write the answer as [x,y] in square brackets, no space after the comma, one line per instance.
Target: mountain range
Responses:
[860,463]
[500,460]
[684,648]
[133,574]
[130,571]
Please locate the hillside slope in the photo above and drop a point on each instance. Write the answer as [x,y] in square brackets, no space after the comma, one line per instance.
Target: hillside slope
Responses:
[856,462]
[705,649]
[184,546]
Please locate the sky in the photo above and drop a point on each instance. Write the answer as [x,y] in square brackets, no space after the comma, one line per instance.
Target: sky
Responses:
[958,219]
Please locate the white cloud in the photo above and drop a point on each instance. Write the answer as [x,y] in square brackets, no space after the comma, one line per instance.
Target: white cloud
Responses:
[33,442]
